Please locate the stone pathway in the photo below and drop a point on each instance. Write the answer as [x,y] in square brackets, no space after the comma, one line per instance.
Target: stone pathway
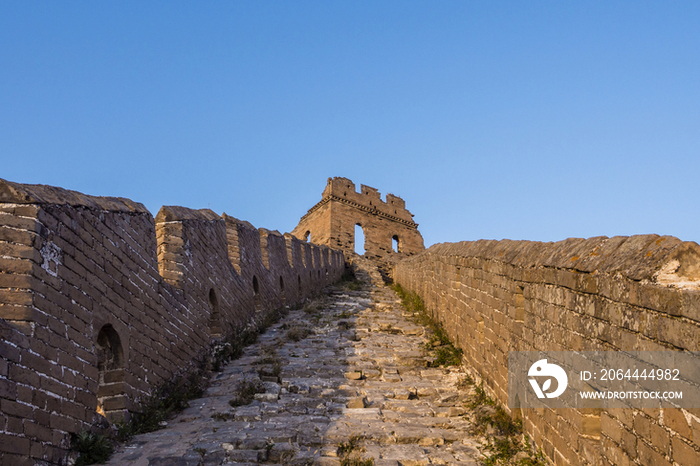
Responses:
[347,372]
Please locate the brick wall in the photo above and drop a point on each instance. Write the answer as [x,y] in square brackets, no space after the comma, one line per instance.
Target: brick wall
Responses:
[100,303]
[637,293]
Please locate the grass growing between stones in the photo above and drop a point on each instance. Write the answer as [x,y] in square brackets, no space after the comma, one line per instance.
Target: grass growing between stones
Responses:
[349,453]
[345,325]
[232,346]
[439,344]
[315,307]
[507,446]
[166,401]
[299,333]
[246,392]
[271,366]
[355,461]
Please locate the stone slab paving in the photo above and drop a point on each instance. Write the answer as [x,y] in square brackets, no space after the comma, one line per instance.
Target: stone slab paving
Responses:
[357,376]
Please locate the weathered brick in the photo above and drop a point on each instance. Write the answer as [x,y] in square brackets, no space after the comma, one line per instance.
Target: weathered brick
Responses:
[115,403]
[14,444]
[71,362]
[63,423]
[12,408]
[41,417]
[679,333]
[40,451]
[16,266]
[23,375]
[36,431]
[53,404]
[676,421]
[73,410]
[23,237]
[37,363]
[648,455]
[15,425]
[19,311]
[8,389]
[53,386]
[684,453]
[12,280]
[614,454]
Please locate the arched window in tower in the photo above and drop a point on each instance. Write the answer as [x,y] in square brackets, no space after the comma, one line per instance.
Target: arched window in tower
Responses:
[281,283]
[360,247]
[110,367]
[395,244]
[256,295]
[307,235]
[214,317]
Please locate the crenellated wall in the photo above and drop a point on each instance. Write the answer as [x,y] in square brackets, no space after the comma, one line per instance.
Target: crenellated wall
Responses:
[638,293]
[100,303]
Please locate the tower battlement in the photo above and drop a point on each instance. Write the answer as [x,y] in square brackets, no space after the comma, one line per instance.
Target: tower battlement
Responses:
[389,230]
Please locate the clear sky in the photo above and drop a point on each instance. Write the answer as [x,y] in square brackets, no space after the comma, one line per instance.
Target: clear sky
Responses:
[493,119]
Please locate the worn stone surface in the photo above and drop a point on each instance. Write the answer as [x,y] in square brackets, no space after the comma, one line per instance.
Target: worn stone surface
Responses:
[360,374]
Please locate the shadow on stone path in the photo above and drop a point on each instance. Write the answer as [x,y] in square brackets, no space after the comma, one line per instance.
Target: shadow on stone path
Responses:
[359,379]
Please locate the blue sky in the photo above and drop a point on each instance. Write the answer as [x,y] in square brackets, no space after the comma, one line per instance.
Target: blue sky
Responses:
[524,120]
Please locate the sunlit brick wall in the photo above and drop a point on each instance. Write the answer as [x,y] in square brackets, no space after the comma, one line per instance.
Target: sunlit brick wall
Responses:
[635,293]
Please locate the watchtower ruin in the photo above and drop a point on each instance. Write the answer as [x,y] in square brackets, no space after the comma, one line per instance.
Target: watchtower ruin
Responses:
[389,230]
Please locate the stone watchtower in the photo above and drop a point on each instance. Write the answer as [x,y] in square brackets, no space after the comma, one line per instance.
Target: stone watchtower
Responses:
[389,230]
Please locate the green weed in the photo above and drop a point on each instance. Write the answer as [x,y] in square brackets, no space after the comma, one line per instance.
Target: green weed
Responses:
[465,382]
[345,325]
[167,400]
[299,333]
[270,362]
[508,433]
[446,354]
[246,391]
[355,461]
[221,417]
[501,451]
[356,286]
[93,448]
[232,346]
[314,306]
[346,450]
